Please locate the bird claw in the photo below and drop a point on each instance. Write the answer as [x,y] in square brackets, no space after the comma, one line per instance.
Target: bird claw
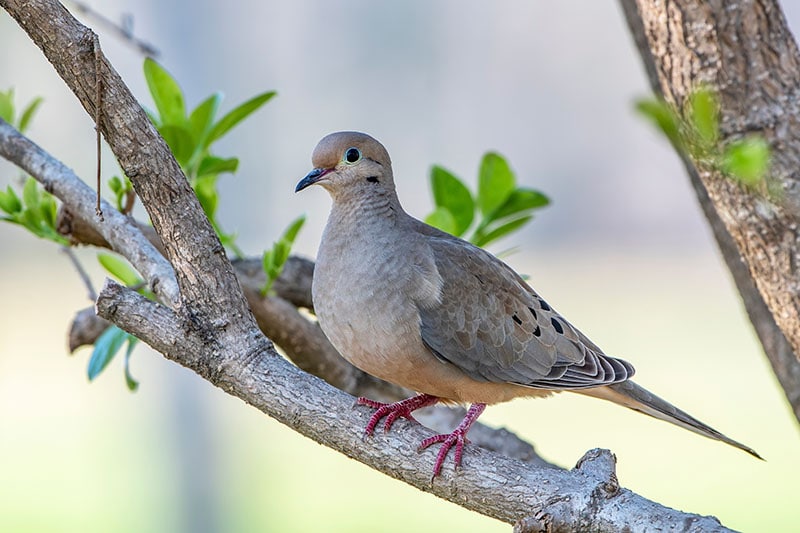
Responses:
[457,438]
[393,411]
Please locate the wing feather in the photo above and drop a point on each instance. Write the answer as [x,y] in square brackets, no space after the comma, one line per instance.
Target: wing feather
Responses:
[489,323]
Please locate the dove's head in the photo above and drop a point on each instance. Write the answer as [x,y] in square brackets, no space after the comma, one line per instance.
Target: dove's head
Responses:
[350,163]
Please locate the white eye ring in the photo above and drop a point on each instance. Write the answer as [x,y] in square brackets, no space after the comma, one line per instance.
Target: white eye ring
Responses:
[352,155]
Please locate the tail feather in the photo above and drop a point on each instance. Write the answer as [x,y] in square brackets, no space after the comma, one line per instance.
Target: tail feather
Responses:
[635,397]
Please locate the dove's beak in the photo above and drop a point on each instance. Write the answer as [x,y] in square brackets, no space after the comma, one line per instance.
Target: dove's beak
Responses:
[312,177]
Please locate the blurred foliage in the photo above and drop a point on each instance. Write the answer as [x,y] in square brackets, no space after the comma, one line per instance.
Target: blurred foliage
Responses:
[499,206]
[121,187]
[112,339]
[106,347]
[191,136]
[695,133]
[9,114]
[34,209]
[273,259]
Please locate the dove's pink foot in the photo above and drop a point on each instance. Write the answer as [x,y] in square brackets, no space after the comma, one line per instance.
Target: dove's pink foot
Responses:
[457,438]
[393,411]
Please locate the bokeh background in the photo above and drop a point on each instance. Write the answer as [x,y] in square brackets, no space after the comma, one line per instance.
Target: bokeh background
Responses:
[623,252]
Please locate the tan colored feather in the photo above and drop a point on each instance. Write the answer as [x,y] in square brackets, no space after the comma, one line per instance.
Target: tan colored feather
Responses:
[420,308]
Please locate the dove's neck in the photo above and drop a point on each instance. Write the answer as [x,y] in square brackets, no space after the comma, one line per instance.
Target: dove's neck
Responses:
[371,209]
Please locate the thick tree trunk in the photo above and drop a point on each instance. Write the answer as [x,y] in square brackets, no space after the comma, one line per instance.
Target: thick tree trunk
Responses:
[745,52]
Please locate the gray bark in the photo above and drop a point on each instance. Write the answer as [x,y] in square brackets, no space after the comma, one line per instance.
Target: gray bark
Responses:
[211,330]
[745,52]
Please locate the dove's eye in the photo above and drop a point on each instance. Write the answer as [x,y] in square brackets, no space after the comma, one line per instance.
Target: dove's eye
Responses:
[352,155]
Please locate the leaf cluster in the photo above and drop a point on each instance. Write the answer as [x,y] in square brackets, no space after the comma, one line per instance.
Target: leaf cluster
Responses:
[191,135]
[36,210]
[8,111]
[273,259]
[121,187]
[695,132]
[499,206]
[109,343]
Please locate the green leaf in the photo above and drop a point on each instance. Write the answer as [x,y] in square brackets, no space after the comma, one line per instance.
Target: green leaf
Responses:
[10,202]
[180,142]
[495,182]
[268,265]
[202,117]
[49,210]
[120,187]
[129,381]
[663,116]
[205,187]
[30,220]
[268,261]
[166,93]
[280,254]
[450,193]
[7,105]
[105,348]
[704,114]
[30,193]
[747,160]
[119,268]
[217,165]
[294,228]
[237,115]
[519,201]
[273,260]
[115,184]
[500,231]
[442,218]
[27,114]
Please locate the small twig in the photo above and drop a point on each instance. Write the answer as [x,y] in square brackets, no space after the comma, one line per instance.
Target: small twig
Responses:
[81,272]
[120,232]
[130,201]
[98,109]
[124,31]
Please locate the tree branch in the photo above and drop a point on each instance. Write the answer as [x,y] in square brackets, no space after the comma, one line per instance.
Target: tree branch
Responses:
[212,332]
[686,43]
[119,231]
[302,341]
[537,499]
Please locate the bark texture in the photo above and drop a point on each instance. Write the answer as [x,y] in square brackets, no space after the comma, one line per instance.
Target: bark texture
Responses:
[210,329]
[745,52]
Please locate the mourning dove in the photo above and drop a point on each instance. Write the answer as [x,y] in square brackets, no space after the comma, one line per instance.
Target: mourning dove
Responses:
[428,311]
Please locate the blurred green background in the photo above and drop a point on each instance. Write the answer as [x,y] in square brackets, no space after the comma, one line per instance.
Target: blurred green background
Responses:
[623,253]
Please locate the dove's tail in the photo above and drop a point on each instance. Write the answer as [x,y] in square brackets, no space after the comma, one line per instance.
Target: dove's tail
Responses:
[635,397]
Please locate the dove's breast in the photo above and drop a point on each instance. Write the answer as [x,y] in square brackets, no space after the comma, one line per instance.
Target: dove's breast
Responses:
[367,300]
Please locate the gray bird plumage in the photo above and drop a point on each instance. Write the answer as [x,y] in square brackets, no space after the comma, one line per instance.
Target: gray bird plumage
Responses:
[418,307]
